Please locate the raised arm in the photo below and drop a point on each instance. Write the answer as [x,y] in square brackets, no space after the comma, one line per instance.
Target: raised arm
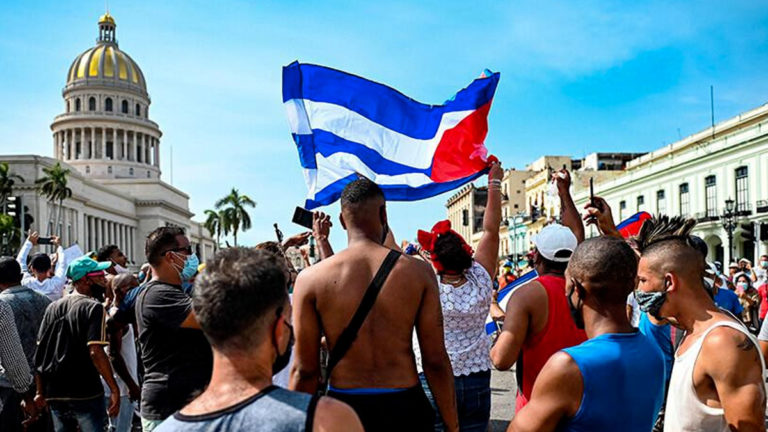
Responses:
[733,363]
[517,322]
[60,273]
[600,215]
[321,229]
[305,372]
[487,253]
[556,396]
[24,251]
[568,212]
[434,358]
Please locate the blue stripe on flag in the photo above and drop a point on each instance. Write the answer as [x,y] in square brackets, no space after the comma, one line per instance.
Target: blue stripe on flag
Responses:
[378,102]
[327,144]
[502,298]
[332,192]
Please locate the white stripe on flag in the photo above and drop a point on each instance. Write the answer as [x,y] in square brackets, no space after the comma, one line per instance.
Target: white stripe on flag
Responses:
[351,126]
[340,165]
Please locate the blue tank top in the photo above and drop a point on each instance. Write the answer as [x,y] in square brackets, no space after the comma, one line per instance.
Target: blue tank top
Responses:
[623,376]
[272,410]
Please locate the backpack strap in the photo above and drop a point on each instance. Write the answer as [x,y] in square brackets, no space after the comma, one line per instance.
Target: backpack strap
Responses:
[348,336]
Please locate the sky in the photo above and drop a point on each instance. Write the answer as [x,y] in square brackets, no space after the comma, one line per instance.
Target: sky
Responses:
[576,77]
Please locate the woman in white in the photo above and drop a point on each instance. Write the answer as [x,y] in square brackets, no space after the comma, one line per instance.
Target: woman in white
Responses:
[466,292]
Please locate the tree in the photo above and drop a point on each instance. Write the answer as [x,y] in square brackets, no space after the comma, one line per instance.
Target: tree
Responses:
[235,211]
[53,186]
[7,180]
[217,223]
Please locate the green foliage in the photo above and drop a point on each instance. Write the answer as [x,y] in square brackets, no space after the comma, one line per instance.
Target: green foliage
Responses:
[232,212]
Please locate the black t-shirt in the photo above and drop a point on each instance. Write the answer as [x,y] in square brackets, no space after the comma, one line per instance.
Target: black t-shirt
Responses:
[177,361]
[70,325]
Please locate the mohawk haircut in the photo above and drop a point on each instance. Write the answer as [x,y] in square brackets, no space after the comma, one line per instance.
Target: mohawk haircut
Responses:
[663,228]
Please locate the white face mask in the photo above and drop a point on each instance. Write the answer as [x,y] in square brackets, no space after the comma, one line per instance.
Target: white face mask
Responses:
[120,269]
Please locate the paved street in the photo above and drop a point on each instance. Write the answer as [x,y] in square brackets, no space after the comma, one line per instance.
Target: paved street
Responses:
[503,388]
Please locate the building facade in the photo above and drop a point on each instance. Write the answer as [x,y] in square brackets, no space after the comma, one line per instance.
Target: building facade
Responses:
[695,176]
[112,149]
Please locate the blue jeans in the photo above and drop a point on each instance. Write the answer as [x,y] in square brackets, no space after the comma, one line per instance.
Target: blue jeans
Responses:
[473,400]
[124,419]
[89,414]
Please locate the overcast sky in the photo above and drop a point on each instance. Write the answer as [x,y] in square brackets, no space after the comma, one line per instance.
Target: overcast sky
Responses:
[576,77]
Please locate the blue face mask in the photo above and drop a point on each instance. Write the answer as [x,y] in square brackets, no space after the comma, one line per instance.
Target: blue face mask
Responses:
[190,268]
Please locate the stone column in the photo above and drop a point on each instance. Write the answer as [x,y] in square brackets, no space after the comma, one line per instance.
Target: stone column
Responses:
[68,143]
[135,149]
[147,150]
[124,152]
[157,153]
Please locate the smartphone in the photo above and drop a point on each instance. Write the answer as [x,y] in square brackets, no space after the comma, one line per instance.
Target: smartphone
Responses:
[302,217]
[591,192]
[44,240]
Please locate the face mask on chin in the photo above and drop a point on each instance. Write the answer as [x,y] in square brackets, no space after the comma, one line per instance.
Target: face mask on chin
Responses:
[119,269]
[282,359]
[576,313]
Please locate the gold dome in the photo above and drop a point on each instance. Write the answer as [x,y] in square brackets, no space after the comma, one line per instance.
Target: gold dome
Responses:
[106,63]
[106,18]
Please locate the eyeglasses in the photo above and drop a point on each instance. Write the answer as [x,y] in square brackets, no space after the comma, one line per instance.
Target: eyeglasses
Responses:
[186,249]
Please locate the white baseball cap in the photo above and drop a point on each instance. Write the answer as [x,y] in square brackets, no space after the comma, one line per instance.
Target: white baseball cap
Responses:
[555,243]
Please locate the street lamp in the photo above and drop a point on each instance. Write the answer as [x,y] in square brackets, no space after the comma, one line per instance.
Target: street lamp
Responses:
[729,224]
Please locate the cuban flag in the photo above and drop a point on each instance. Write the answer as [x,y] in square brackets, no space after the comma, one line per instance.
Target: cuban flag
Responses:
[504,295]
[345,126]
[630,226]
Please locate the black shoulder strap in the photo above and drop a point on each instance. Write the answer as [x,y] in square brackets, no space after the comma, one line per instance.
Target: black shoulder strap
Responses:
[349,334]
[310,422]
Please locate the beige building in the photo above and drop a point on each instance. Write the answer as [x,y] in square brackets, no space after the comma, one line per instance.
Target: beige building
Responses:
[466,209]
[107,140]
[696,176]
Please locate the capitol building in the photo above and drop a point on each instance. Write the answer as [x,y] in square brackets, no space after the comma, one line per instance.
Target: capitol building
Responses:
[106,138]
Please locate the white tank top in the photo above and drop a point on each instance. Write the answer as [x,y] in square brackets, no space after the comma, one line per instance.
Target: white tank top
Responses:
[684,411]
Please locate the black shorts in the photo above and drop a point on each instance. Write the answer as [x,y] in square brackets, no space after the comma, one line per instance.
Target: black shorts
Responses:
[407,410]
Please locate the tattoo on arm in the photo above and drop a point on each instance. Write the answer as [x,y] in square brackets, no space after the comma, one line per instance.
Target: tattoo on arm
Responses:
[746,344]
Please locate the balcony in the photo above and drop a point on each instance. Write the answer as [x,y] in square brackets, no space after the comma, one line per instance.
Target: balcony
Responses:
[707,216]
[762,206]
[743,209]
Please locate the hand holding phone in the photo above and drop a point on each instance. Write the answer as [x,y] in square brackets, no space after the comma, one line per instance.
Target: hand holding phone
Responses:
[44,240]
[302,217]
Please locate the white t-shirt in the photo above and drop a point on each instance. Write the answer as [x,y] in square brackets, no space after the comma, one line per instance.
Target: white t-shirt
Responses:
[632,301]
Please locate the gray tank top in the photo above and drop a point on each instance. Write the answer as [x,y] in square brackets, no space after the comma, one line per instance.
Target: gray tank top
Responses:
[273,410]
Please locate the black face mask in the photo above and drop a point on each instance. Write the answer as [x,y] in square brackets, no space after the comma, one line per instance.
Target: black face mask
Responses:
[98,291]
[576,314]
[384,234]
[282,359]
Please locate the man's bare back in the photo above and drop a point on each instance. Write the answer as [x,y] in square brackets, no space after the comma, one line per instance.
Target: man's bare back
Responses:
[382,355]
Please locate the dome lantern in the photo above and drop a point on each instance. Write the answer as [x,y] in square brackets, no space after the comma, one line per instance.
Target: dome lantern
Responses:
[107,29]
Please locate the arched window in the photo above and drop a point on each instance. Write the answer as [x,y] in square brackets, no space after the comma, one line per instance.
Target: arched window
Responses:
[87,169]
[125,107]
[138,110]
[147,174]
[67,106]
[130,171]
[77,104]
[108,105]
[92,104]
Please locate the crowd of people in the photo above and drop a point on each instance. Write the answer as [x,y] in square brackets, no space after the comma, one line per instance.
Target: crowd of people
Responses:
[637,334]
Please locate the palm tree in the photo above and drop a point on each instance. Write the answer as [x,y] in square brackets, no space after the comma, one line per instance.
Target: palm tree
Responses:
[7,180]
[235,211]
[218,223]
[54,187]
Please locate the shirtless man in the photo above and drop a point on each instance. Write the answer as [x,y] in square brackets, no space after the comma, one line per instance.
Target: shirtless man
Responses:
[377,376]
[717,382]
